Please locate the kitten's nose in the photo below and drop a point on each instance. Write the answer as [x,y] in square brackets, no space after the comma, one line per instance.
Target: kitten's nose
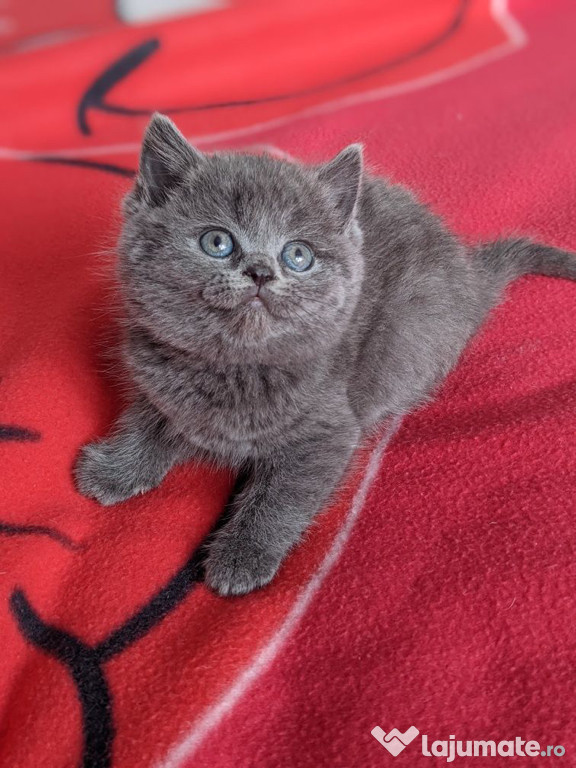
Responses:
[260,273]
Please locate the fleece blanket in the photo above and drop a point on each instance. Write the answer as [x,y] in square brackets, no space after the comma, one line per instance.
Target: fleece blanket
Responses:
[432,607]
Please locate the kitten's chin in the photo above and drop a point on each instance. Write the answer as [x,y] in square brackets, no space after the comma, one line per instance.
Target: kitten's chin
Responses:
[252,323]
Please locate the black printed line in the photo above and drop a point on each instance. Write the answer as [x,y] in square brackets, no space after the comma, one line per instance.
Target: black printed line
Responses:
[163,602]
[85,669]
[95,96]
[10,529]
[18,434]
[85,663]
[81,163]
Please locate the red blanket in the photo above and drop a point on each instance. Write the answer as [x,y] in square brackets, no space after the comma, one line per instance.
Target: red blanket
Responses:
[436,595]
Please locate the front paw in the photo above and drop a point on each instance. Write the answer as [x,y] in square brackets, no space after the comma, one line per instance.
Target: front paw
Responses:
[237,565]
[104,474]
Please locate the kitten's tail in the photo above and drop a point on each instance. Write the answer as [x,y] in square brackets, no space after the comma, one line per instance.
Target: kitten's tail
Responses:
[504,260]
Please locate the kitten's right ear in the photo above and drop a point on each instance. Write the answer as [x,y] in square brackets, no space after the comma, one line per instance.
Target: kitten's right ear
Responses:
[165,158]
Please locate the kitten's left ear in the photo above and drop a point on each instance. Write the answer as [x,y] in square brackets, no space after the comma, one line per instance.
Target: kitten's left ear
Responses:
[165,158]
[344,174]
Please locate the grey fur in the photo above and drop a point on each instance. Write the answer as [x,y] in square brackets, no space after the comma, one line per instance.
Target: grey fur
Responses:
[282,393]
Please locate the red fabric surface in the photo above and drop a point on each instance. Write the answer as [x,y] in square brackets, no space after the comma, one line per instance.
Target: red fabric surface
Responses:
[449,604]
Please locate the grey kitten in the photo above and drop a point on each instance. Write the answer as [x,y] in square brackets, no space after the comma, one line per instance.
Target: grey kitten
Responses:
[277,314]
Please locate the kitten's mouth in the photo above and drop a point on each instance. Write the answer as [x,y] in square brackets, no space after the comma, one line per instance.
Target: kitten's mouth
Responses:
[256,299]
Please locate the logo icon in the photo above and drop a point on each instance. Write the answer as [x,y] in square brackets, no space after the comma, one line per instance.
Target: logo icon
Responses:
[395,741]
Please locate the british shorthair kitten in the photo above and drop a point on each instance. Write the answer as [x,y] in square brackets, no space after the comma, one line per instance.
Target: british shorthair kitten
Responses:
[277,313]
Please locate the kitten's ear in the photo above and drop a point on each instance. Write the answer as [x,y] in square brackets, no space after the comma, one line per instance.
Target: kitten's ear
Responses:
[344,174]
[164,159]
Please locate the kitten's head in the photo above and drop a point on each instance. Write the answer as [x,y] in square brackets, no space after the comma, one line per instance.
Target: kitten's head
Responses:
[241,258]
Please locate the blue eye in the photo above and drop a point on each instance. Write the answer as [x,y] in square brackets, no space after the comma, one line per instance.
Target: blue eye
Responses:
[217,243]
[297,256]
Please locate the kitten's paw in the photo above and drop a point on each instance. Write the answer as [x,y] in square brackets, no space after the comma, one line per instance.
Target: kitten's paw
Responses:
[236,566]
[102,474]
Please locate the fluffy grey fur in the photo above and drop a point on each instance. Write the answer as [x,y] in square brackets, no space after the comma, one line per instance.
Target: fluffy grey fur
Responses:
[275,373]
